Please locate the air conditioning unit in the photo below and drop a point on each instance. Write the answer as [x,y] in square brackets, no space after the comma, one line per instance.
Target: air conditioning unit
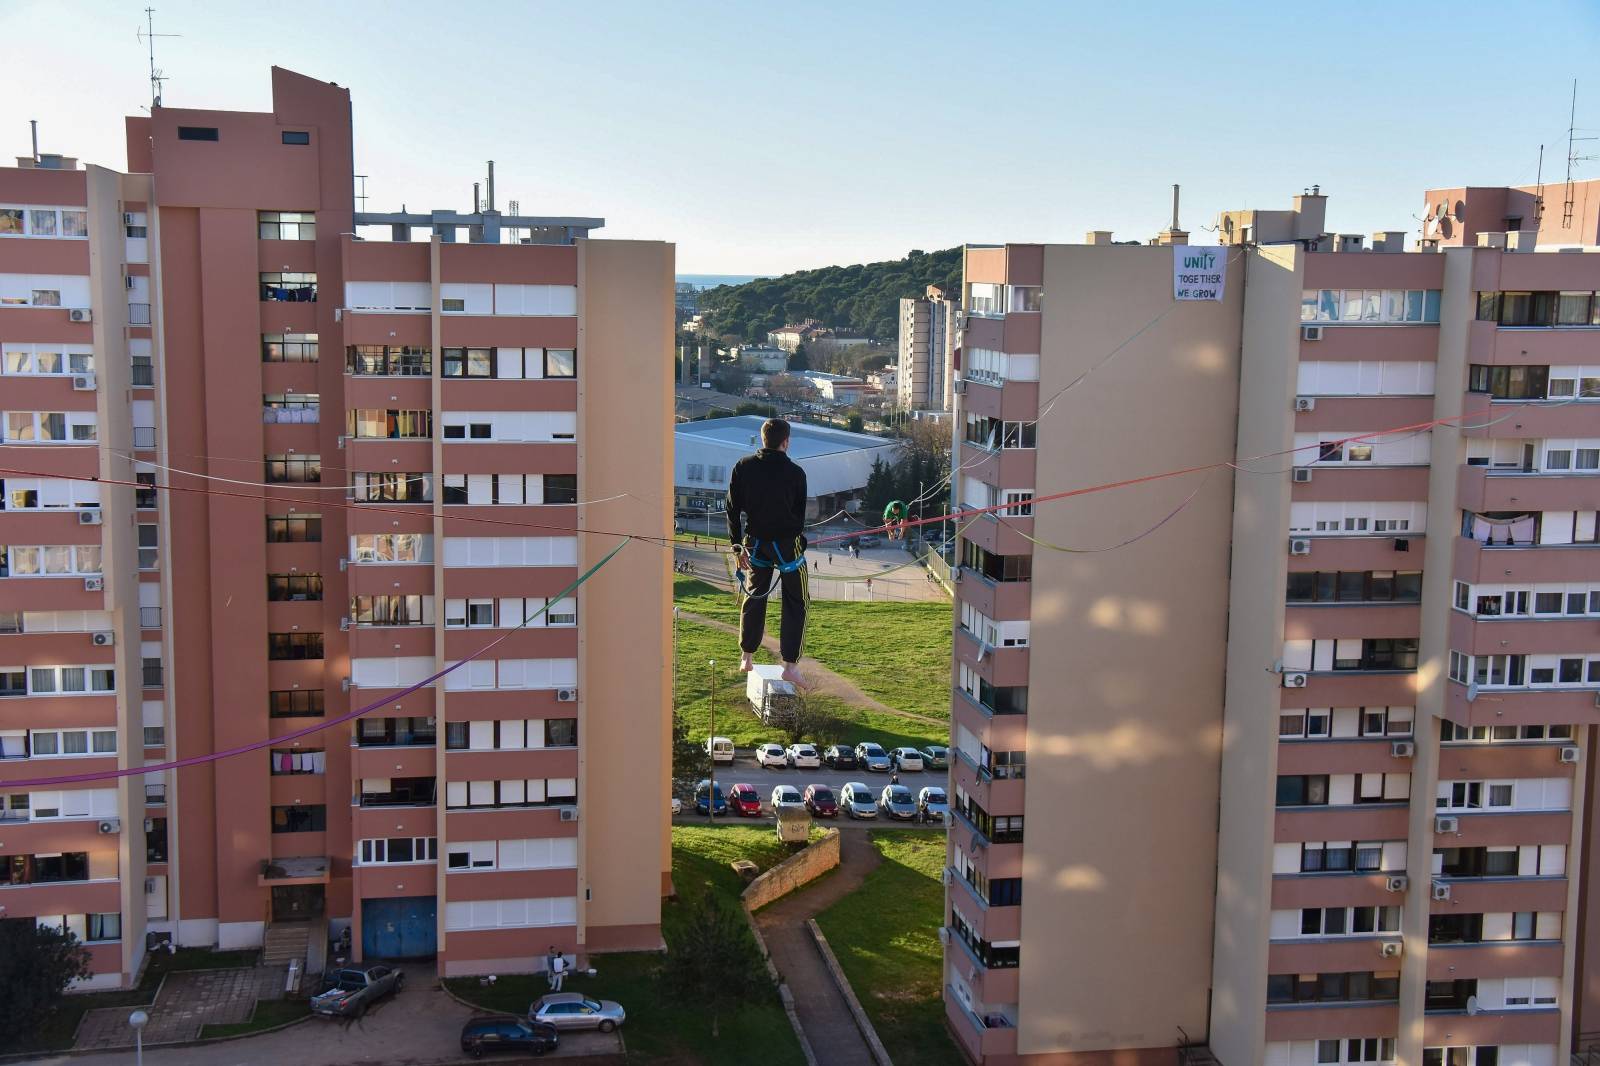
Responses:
[1302,474]
[127,218]
[1299,545]
[566,695]
[80,314]
[104,640]
[1570,753]
[344,684]
[1397,883]
[1441,890]
[944,935]
[1402,749]
[1447,823]
[1304,403]
[110,826]
[569,814]
[127,281]
[1389,949]
[149,825]
[83,383]
[344,624]
[961,386]
[1311,333]
[1294,680]
[947,876]
[94,584]
[88,518]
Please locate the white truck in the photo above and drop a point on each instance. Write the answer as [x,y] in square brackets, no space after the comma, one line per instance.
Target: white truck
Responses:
[771,697]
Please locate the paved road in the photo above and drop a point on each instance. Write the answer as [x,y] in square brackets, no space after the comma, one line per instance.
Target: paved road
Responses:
[419,1027]
[823,1014]
[836,578]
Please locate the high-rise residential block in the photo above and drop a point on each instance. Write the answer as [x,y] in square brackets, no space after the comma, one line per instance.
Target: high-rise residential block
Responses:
[925,372]
[1291,759]
[358,462]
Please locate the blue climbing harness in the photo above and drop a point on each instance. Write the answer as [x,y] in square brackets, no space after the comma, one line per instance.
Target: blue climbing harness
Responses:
[784,567]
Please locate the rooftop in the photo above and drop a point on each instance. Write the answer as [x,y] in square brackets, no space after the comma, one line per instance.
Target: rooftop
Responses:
[805,441]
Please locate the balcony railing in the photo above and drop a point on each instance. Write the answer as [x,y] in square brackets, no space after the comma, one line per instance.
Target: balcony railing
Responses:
[144,436]
[150,618]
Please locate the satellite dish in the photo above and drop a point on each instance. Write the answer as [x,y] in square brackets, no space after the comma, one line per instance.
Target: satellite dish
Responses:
[1472,1005]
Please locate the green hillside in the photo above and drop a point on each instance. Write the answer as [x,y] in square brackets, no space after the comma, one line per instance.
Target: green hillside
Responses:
[864,298]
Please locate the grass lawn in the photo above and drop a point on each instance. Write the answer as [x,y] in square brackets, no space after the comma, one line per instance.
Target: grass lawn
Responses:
[268,1014]
[698,643]
[899,653]
[886,937]
[659,1029]
[58,1030]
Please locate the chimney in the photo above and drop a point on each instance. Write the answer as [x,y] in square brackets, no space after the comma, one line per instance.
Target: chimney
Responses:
[1172,234]
[1097,236]
[491,186]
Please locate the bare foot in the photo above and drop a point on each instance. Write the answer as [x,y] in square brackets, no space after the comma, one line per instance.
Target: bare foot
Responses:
[791,674]
[747,662]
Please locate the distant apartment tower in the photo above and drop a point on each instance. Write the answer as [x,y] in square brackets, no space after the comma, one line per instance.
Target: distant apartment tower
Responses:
[400,434]
[925,372]
[1296,761]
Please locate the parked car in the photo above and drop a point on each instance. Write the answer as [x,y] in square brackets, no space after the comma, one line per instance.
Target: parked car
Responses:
[787,796]
[573,1010]
[771,755]
[906,760]
[897,802]
[353,991]
[702,798]
[871,756]
[933,805]
[804,756]
[720,749]
[936,757]
[870,541]
[820,802]
[505,1033]
[745,800]
[856,799]
[839,757]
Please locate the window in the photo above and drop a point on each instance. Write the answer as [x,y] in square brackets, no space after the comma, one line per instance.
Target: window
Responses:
[149,548]
[1573,308]
[294,469]
[296,703]
[288,646]
[380,424]
[311,818]
[59,681]
[394,850]
[286,588]
[44,869]
[391,548]
[197,133]
[392,360]
[49,560]
[289,348]
[395,488]
[994,567]
[288,287]
[1370,306]
[1302,790]
[154,737]
[391,610]
[467,362]
[560,488]
[282,762]
[1509,382]
[293,529]
[396,732]
[1354,987]
[155,841]
[296,137]
[144,497]
[286,225]
[560,363]
[1369,586]
[53,222]
[71,743]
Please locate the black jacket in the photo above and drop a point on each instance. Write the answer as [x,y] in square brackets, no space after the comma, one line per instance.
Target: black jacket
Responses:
[766,498]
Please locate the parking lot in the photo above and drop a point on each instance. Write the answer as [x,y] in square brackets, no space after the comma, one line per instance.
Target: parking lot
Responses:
[745,770]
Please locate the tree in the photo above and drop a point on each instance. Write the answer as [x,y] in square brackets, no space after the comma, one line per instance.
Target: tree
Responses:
[814,722]
[854,422]
[731,379]
[712,960]
[800,358]
[690,761]
[37,963]
[789,388]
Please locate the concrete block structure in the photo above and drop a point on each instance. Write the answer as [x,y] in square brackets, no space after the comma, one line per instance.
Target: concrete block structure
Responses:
[1290,761]
[357,461]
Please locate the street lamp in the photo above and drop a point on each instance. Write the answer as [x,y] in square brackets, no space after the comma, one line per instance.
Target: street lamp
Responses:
[138,1019]
[711,747]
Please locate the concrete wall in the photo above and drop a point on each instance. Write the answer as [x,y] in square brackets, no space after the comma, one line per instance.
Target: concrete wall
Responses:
[1126,678]
[804,866]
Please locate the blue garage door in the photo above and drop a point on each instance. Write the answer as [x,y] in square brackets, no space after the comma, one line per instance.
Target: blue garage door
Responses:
[402,928]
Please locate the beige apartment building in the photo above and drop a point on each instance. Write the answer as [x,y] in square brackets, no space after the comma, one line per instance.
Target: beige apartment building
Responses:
[1288,761]
[362,445]
[925,371]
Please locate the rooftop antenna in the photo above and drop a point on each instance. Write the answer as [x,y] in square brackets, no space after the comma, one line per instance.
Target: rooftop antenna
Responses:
[1572,155]
[148,36]
[1174,207]
[33,124]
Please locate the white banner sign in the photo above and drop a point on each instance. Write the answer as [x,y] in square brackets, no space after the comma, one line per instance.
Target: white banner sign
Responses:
[1198,273]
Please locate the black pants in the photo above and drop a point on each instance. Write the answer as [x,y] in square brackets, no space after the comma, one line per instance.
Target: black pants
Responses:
[795,588]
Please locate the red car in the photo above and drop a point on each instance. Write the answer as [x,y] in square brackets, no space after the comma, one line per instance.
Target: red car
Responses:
[744,799]
[820,802]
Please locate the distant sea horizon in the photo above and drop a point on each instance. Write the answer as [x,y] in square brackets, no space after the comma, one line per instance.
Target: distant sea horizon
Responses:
[711,281]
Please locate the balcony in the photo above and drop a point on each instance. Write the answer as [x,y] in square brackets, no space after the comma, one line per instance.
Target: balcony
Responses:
[1011,401]
[1353,688]
[1480,488]
[1478,563]
[989,922]
[999,666]
[291,415]
[1001,600]
[1496,958]
[402,792]
[994,1035]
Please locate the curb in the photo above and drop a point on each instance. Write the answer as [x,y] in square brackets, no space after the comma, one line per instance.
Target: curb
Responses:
[879,1053]
[785,996]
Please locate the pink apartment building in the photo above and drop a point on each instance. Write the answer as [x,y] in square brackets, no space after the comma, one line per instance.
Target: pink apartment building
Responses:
[1306,775]
[398,436]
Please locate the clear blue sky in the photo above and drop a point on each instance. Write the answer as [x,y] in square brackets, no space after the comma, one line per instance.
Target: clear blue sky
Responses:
[763,137]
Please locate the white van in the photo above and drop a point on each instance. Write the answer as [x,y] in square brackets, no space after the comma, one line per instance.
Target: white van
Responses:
[720,749]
